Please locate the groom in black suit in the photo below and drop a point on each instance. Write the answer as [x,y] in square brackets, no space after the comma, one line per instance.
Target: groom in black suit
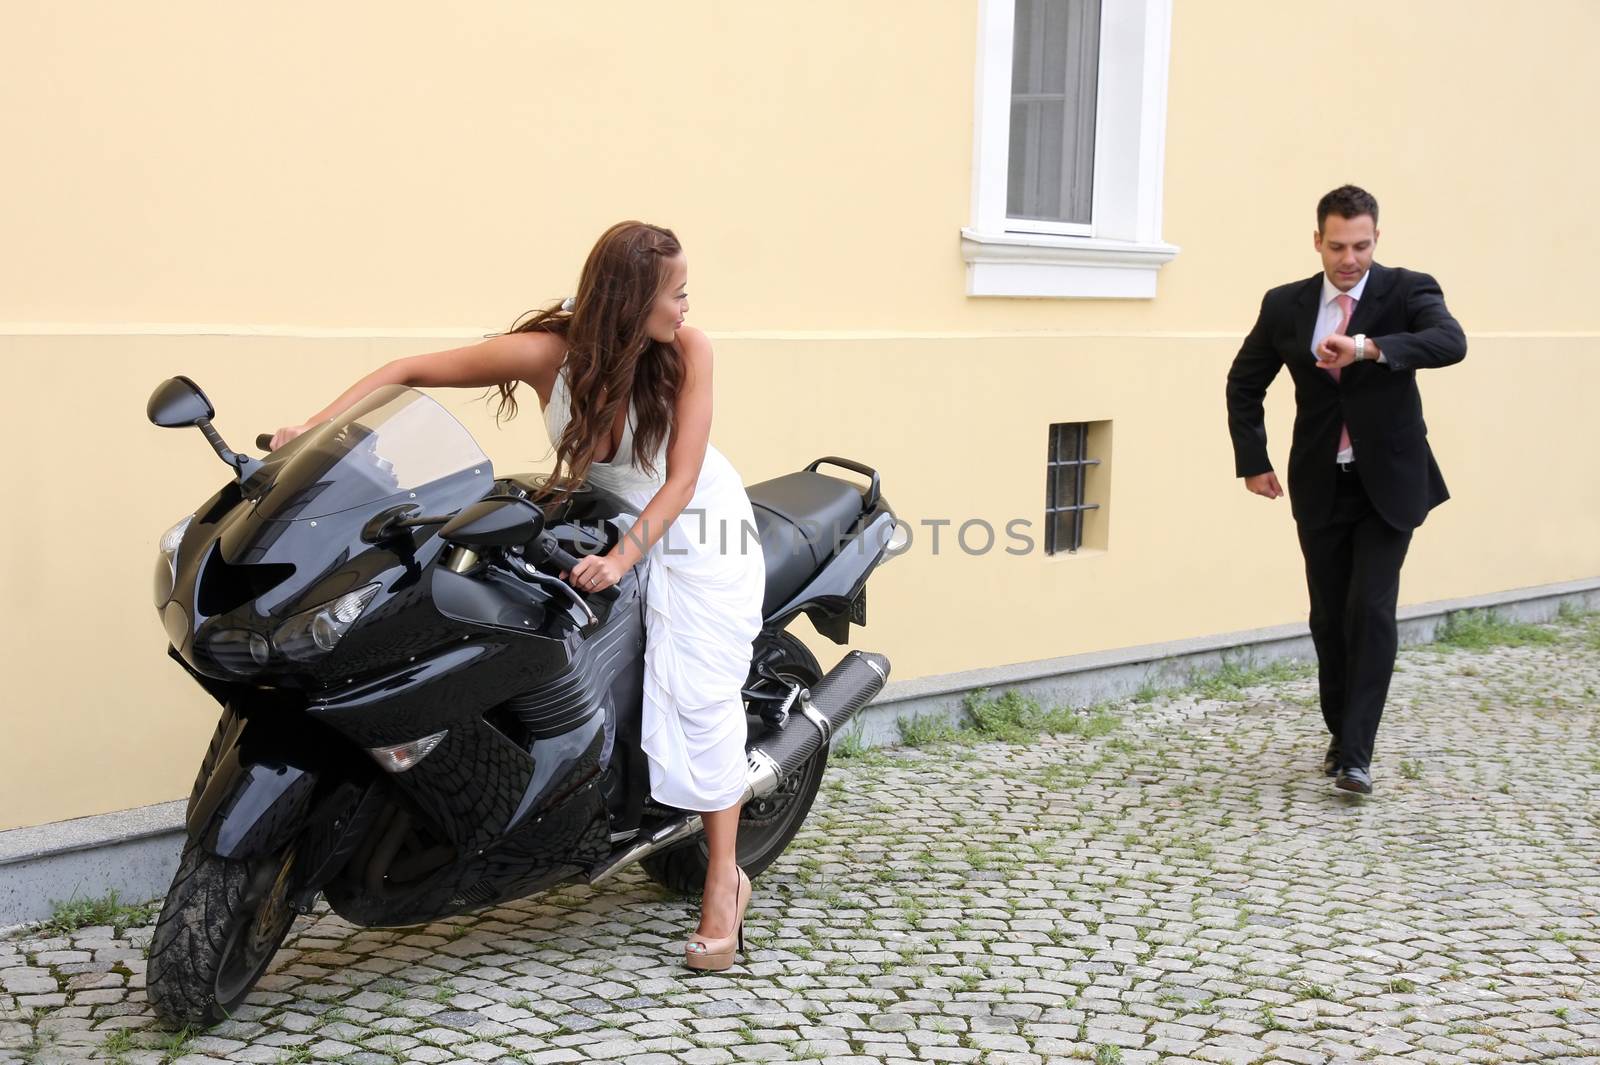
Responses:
[1361,475]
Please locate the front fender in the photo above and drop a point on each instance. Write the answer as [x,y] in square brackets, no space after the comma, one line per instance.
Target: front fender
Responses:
[251,808]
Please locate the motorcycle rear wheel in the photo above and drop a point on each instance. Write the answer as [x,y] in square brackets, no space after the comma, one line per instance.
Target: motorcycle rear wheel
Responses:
[222,922]
[766,825]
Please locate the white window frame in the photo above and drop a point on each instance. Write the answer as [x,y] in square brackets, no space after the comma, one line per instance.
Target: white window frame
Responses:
[1118,254]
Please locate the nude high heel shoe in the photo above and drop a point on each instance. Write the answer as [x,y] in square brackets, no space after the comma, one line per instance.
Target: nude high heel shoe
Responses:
[715,955]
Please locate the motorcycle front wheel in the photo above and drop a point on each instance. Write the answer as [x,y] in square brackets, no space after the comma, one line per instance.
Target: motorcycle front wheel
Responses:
[765,825]
[222,922]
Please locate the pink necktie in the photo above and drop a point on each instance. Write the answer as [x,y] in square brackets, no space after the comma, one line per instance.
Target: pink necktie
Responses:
[1347,305]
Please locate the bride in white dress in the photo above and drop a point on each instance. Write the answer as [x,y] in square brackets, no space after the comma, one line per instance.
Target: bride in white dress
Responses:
[626,391]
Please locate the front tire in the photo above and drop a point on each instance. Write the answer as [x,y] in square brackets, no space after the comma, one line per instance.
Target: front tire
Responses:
[222,922]
[767,825]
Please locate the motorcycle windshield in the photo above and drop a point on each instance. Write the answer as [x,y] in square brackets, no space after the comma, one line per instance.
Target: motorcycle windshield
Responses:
[394,442]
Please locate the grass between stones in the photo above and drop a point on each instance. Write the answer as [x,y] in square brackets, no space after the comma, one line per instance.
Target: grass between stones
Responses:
[1013,717]
[118,1043]
[1010,718]
[1230,682]
[1479,630]
[1586,622]
[76,913]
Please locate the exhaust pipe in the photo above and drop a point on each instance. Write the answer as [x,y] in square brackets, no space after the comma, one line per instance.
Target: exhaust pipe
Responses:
[821,712]
[670,834]
[818,715]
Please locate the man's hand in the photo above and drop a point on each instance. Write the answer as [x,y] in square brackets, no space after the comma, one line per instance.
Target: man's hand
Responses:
[1336,352]
[1264,484]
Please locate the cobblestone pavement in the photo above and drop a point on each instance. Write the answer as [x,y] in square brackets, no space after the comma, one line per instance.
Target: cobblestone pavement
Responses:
[1184,887]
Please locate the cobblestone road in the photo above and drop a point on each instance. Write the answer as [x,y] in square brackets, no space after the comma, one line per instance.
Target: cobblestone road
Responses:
[1183,887]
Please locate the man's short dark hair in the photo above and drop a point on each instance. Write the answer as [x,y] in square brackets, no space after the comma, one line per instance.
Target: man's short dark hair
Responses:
[1346,201]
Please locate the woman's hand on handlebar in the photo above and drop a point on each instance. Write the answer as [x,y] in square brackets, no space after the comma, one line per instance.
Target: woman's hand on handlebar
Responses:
[286,434]
[595,573]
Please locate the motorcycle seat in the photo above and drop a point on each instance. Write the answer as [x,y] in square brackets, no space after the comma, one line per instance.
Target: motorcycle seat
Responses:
[802,518]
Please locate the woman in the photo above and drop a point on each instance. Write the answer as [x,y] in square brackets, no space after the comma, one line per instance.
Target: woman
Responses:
[626,392]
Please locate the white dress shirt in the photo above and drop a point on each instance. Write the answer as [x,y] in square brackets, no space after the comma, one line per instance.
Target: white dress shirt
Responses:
[1328,315]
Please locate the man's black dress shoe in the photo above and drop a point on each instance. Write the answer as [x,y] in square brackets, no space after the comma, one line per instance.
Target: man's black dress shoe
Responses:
[1330,761]
[1354,778]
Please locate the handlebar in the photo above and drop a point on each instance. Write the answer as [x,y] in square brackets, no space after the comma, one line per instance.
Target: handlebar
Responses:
[546,545]
[264,441]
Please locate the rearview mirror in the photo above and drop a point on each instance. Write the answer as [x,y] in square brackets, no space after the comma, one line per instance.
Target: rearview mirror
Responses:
[499,522]
[177,402]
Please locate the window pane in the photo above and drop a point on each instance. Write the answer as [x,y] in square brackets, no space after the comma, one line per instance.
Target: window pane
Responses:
[1055,61]
[1067,530]
[1067,486]
[1067,441]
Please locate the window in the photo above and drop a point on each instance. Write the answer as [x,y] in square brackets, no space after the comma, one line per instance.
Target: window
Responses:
[1075,487]
[1068,151]
[1055,56]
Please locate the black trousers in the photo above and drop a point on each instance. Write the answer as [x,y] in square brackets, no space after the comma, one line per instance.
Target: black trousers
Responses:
[1353,575]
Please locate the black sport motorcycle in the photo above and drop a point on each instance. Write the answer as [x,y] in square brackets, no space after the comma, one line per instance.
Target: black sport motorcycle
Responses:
[420,717]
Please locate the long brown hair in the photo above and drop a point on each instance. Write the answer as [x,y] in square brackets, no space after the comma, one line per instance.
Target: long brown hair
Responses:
[608,349]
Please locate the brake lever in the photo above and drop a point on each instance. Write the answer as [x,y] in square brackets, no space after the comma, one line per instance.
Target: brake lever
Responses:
[544,580]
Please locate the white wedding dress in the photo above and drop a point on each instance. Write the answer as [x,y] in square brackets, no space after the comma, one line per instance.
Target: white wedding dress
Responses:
[704,582]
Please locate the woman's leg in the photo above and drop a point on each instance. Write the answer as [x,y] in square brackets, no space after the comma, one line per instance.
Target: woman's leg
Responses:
[719,900]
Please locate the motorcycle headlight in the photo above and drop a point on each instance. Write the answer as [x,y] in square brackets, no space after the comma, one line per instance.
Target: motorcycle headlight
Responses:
[239,651]
[167,560]
[313,633]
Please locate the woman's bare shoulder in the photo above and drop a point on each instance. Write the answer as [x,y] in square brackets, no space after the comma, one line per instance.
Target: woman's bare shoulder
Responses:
[535,356]
[694,345]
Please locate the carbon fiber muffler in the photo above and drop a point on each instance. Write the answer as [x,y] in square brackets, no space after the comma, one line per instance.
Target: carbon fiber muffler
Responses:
[816,716]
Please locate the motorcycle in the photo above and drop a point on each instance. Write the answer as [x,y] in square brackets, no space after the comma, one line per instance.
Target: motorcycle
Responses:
[420,717]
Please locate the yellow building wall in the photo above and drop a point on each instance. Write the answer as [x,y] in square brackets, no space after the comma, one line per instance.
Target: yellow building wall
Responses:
[274,201]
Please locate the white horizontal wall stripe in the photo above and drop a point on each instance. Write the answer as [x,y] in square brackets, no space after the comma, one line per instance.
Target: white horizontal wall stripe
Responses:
[464,333]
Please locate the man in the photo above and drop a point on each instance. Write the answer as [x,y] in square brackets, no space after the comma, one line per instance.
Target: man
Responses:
[1361,475]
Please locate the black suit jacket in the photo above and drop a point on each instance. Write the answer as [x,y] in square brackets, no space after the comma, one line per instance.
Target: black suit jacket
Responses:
[1403,312]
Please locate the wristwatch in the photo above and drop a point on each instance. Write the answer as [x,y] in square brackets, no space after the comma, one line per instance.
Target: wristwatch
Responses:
[1361,347]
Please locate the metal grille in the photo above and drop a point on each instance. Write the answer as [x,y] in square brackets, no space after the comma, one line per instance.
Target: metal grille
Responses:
[1064,475]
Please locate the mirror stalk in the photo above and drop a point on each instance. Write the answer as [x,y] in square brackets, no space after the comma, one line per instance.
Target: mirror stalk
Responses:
[243,465]
[387,524]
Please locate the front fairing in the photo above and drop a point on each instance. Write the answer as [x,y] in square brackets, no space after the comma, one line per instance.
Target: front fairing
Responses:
[313,561]
[256,555]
